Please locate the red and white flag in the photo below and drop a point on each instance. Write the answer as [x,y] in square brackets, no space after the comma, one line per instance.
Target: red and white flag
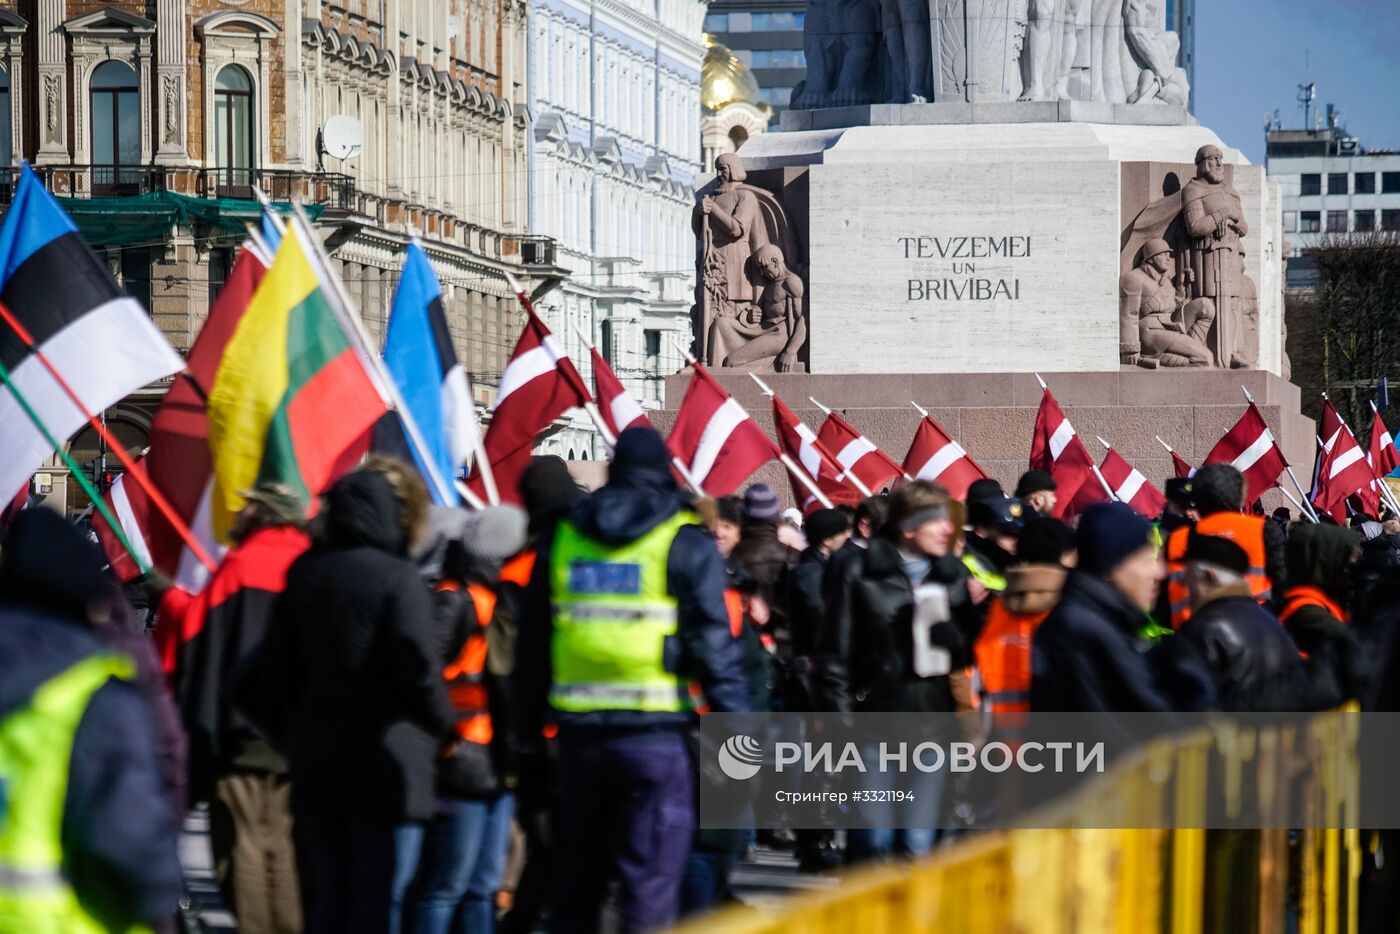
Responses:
[800,443]
[934,455]
[540,383]
[1057,450]
[179,461]
[619,410]
[1344,471]
[717,440]
[1129,485]
[1250,448]
[1383,459]
[857,454]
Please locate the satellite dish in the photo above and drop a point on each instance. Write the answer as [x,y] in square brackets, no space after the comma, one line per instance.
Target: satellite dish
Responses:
[342,137]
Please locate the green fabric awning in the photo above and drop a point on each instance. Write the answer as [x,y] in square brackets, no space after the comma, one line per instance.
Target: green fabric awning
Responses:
[147,219]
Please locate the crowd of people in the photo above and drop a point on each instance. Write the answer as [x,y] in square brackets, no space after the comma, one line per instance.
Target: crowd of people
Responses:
[404,717]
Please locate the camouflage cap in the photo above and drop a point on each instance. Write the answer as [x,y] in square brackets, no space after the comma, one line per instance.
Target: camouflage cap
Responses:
[279,499]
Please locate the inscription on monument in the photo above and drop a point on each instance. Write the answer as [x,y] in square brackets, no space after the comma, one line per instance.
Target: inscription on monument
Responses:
[962,281]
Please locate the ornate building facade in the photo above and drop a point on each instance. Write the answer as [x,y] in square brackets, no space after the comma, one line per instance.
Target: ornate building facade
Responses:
[158,118]
[615,89]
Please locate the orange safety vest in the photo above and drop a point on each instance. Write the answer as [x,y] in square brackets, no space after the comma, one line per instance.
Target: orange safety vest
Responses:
[1245,531]
[466,688]
[1298,597]
[1003,653]
[734,604]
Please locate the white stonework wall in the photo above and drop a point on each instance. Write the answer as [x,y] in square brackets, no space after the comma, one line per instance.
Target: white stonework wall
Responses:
[1057,183]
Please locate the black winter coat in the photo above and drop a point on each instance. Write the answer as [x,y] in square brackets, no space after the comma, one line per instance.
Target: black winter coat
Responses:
[1088,655]
[349,682]
[1249,653]
[803,601]
[866,638]
[768,561]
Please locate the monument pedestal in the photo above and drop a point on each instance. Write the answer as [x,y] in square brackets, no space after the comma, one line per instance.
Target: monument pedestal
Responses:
[992,414]
[995,247]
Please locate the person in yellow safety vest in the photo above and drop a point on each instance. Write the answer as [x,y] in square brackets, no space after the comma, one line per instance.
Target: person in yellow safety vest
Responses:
[994,521]
[1045,551]
[624,613]
[88,836]
[1219,491]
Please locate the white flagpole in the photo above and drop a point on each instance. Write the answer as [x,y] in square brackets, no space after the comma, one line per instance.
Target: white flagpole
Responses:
[1306,506]
[921,410]
[788,462]
[1108,489]
[846,474]
[384,383]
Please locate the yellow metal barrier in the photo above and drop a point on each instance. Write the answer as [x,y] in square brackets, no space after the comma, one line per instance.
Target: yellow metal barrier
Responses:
[1069,877]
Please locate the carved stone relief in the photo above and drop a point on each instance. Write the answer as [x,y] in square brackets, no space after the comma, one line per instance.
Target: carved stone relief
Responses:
[750,308]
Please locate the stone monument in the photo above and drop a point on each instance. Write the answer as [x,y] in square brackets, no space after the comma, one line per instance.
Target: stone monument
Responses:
[1024,192]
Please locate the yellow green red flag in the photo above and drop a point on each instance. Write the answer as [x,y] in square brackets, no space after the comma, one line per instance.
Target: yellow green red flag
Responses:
[294,398]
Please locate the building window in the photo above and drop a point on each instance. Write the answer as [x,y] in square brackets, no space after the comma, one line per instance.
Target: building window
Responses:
[777,22]
[1310,184]
[233,130]
[779,58]
[136,275]
[1337,183]
[1365,221]
[652,342]
[605,333]
[1290,221]
[1311,222]
[1390,183]
[6,151]
[220,263]
[1336,221]
[1365,183]
[1390,219]
[717,22]
[116,129]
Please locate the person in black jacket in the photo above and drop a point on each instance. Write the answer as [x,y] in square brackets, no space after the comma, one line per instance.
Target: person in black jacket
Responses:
[1089,655]
[464,852]
[766,558]
[627,806]
[883,653]
[349,686]
[119,829]
[1253,660]
[1320,558]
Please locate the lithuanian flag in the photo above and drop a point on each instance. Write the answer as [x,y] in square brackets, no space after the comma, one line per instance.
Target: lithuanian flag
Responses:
[295,395]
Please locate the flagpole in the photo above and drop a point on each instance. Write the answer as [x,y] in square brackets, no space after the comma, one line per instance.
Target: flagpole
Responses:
[119,449]
[98,503]
[1164,444]
[676,462]
[1288,468]
[846,474]
[1385,488]
[1296,505]
[801,475]
[922,411]
[387,388]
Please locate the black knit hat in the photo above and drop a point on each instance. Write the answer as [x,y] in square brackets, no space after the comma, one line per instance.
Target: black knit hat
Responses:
[1034,481]
[1044,540]
[1221,552]
[49,564]
[824,523]
[548,491]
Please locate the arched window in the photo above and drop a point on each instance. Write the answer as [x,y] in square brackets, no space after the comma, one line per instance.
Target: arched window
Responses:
[233,130]
[6,150]
[116,129]
[738,136]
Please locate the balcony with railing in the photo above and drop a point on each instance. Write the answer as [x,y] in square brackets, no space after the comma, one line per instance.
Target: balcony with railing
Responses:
[339,198]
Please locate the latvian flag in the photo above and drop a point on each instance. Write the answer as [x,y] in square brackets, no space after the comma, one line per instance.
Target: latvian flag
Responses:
[99,339]
[540,383]
[1383,455]
[800,443]
[1129,485]
[1057,450]
[619,410]
[1344,471]
[434,387]
[295,394]
[1249,447]
[720,445]
[934,455]
[178,461]
[857,454]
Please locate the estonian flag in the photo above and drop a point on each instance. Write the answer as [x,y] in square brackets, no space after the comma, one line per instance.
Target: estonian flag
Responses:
[435,389]
[98,338]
